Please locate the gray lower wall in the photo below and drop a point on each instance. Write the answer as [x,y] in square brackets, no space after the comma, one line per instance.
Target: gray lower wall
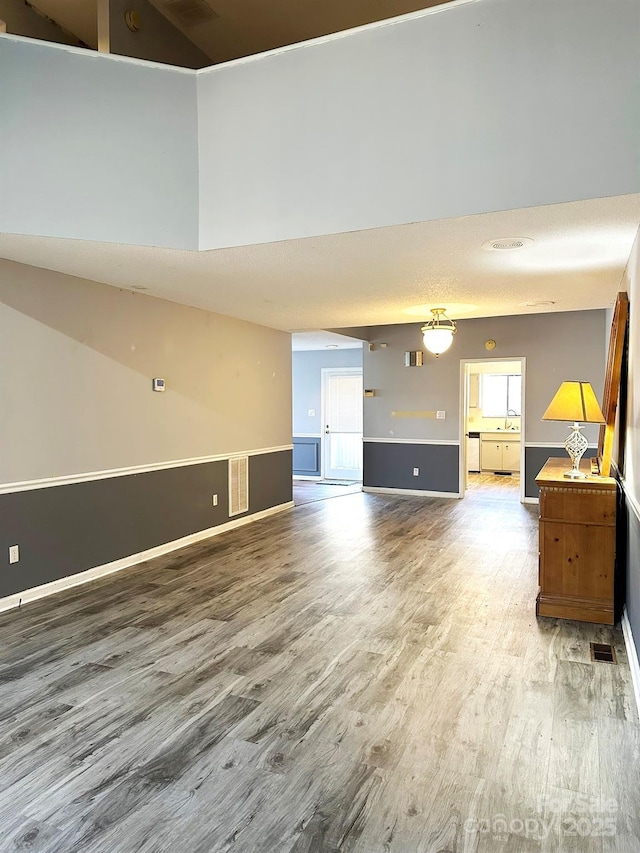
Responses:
[306,455]
[628,560]
[535,458]
[269,480]
[391,466]
[63,530]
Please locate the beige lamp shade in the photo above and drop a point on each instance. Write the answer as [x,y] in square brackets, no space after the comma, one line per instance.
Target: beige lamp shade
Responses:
[574,401]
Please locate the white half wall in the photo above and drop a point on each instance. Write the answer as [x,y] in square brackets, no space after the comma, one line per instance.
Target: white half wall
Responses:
[490,105]
[464,109]
[95,147]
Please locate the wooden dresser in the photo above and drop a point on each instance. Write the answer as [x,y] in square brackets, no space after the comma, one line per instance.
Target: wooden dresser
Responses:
[577,544]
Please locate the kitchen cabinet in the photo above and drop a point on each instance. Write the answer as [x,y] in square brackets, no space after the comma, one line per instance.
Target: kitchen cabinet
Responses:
[499,452]
[474,390]
[577,544]
[511,455]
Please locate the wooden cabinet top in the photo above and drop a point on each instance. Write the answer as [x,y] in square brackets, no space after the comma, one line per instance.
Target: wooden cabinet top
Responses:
[552,474]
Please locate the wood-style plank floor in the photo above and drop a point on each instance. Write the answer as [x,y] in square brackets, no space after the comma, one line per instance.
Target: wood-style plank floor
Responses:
[308,491]
[364,674]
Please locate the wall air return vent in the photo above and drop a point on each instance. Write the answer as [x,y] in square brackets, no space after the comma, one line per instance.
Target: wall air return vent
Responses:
[190,13]
[238,485]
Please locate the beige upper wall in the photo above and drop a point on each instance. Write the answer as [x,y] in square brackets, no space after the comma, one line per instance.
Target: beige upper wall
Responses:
[78,360]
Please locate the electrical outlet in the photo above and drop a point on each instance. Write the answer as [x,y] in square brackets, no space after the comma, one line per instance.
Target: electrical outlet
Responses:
[14,553]
[440,415]
[311,413]
[416,472]
[215,500]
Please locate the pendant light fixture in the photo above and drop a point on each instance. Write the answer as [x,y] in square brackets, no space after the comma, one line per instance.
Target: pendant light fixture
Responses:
[438,332]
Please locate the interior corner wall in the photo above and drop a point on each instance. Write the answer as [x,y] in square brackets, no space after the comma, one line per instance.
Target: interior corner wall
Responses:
[453,111]
[157,40]
[628,458]
[95,147]
[98,466]
[392,442]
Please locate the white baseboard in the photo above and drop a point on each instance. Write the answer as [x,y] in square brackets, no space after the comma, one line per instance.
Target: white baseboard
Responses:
[315,477]
[632,654]
[36,592]
[527,500]
[417,492]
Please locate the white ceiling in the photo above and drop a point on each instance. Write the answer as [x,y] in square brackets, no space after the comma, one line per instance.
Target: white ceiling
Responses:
[380,276]
[304,341]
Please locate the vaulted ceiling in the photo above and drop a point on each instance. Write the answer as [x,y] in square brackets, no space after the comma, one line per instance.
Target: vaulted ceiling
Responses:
[228,29]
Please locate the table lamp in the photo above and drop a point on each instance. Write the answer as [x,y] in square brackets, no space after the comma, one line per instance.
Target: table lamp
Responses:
[575,401]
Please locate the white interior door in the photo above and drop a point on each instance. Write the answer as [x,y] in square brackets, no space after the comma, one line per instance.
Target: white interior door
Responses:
[342,424]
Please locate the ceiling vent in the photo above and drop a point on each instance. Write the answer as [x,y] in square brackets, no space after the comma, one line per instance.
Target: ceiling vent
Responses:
[238,485]
[507,244]
[190,13]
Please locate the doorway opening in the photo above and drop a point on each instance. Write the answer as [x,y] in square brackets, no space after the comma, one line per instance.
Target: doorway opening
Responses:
[341,424]
[492,410]
[339,468]
[327,406]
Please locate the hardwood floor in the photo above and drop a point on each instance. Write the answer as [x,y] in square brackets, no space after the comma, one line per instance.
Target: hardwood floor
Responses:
[364,674]
[497,486]
[308,491]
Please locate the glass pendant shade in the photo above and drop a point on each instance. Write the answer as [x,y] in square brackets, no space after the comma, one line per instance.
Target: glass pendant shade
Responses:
[438,333]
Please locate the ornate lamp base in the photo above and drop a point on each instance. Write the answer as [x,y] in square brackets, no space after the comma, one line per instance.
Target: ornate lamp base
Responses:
[575,445]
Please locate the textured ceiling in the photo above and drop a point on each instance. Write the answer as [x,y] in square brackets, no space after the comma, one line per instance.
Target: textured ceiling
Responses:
[380,276]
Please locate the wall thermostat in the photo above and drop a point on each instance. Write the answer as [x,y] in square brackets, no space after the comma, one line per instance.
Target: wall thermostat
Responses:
[158,385]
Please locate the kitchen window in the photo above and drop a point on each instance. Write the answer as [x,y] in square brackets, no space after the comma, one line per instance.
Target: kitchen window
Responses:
[501,395]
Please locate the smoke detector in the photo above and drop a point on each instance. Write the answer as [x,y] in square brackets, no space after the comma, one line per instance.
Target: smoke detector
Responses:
[507,244]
